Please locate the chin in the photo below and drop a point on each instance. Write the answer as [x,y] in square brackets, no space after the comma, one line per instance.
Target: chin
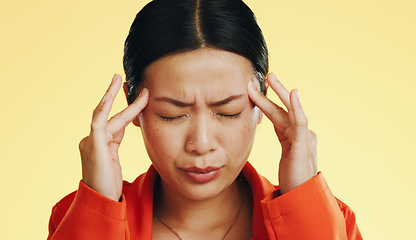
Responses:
[204,191]
[201,193]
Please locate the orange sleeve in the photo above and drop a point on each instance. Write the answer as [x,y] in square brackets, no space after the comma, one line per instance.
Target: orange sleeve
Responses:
[90,216]
[309,211]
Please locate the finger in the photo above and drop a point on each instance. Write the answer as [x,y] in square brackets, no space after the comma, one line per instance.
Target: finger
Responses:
[99,120]
[277,115]
[112,90]
[82,143]
[101,112]
[122,119]
[282,93]
[300,119]
[115,85]
[279,89]
[291,119]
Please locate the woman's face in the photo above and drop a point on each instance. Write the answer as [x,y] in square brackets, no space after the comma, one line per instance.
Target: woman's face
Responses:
[199,124]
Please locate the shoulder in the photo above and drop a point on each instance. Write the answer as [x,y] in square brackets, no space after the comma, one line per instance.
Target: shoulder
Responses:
[347,211]
[260,186]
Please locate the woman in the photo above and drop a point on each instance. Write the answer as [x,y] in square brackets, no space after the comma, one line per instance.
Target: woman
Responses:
[196,79]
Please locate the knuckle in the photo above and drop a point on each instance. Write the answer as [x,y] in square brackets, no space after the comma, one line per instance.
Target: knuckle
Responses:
[275,115]
[313,139]
[313,135]
[278,112]
[95,125]
[82,143]
[303,121]
[288,133]
[97,110]
[94,113]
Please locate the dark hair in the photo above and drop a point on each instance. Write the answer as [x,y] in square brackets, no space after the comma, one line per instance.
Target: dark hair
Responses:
[165,27]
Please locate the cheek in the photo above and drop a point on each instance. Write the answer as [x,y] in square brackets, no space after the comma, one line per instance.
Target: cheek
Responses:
[159,142]
[241,134]
[251,121]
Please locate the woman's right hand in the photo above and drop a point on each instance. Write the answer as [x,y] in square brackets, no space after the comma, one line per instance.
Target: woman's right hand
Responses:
[101,169]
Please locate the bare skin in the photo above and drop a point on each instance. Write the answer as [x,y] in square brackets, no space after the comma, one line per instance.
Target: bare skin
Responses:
[101,169]
[298,162]
[199,134]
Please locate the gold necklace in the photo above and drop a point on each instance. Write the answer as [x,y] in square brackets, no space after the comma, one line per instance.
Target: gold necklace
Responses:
[179,237]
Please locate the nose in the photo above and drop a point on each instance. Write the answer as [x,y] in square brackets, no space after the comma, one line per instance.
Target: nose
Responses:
[201,136]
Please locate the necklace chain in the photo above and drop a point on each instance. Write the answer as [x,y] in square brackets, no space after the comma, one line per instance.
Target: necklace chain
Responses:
[179,237]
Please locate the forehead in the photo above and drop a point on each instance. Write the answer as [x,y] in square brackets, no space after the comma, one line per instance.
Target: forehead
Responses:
[203,69]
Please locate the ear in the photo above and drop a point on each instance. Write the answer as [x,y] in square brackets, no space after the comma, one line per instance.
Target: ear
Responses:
[135,121]
[125,89]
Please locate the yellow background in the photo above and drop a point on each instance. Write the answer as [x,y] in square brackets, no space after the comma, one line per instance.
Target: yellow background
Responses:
[353,61]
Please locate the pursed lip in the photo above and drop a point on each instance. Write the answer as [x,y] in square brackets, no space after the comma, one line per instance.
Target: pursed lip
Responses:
[201,170]
[202,175]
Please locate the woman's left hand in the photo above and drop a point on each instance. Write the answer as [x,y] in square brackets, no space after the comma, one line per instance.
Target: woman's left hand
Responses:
[298,162]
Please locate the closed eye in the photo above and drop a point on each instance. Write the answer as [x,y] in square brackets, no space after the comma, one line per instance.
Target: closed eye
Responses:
[177,118]
[172,119]
[230,116]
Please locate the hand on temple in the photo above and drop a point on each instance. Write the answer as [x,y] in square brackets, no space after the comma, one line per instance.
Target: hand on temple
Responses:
[101,168]
[298,162]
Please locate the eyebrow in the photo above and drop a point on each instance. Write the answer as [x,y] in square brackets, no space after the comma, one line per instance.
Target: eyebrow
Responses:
[185,104]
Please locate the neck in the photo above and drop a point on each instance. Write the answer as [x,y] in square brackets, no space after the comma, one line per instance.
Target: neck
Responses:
[183,213]
[212,218]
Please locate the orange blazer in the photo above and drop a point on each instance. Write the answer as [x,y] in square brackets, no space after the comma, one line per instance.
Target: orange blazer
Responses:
[309,211]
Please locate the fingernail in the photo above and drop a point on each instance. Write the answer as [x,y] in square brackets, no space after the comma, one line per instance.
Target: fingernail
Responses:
[251,85]
[272,77]
[114,78]
[296,92]
[143,92]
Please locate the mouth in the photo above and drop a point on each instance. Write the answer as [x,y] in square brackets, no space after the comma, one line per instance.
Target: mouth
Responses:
[202,175]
